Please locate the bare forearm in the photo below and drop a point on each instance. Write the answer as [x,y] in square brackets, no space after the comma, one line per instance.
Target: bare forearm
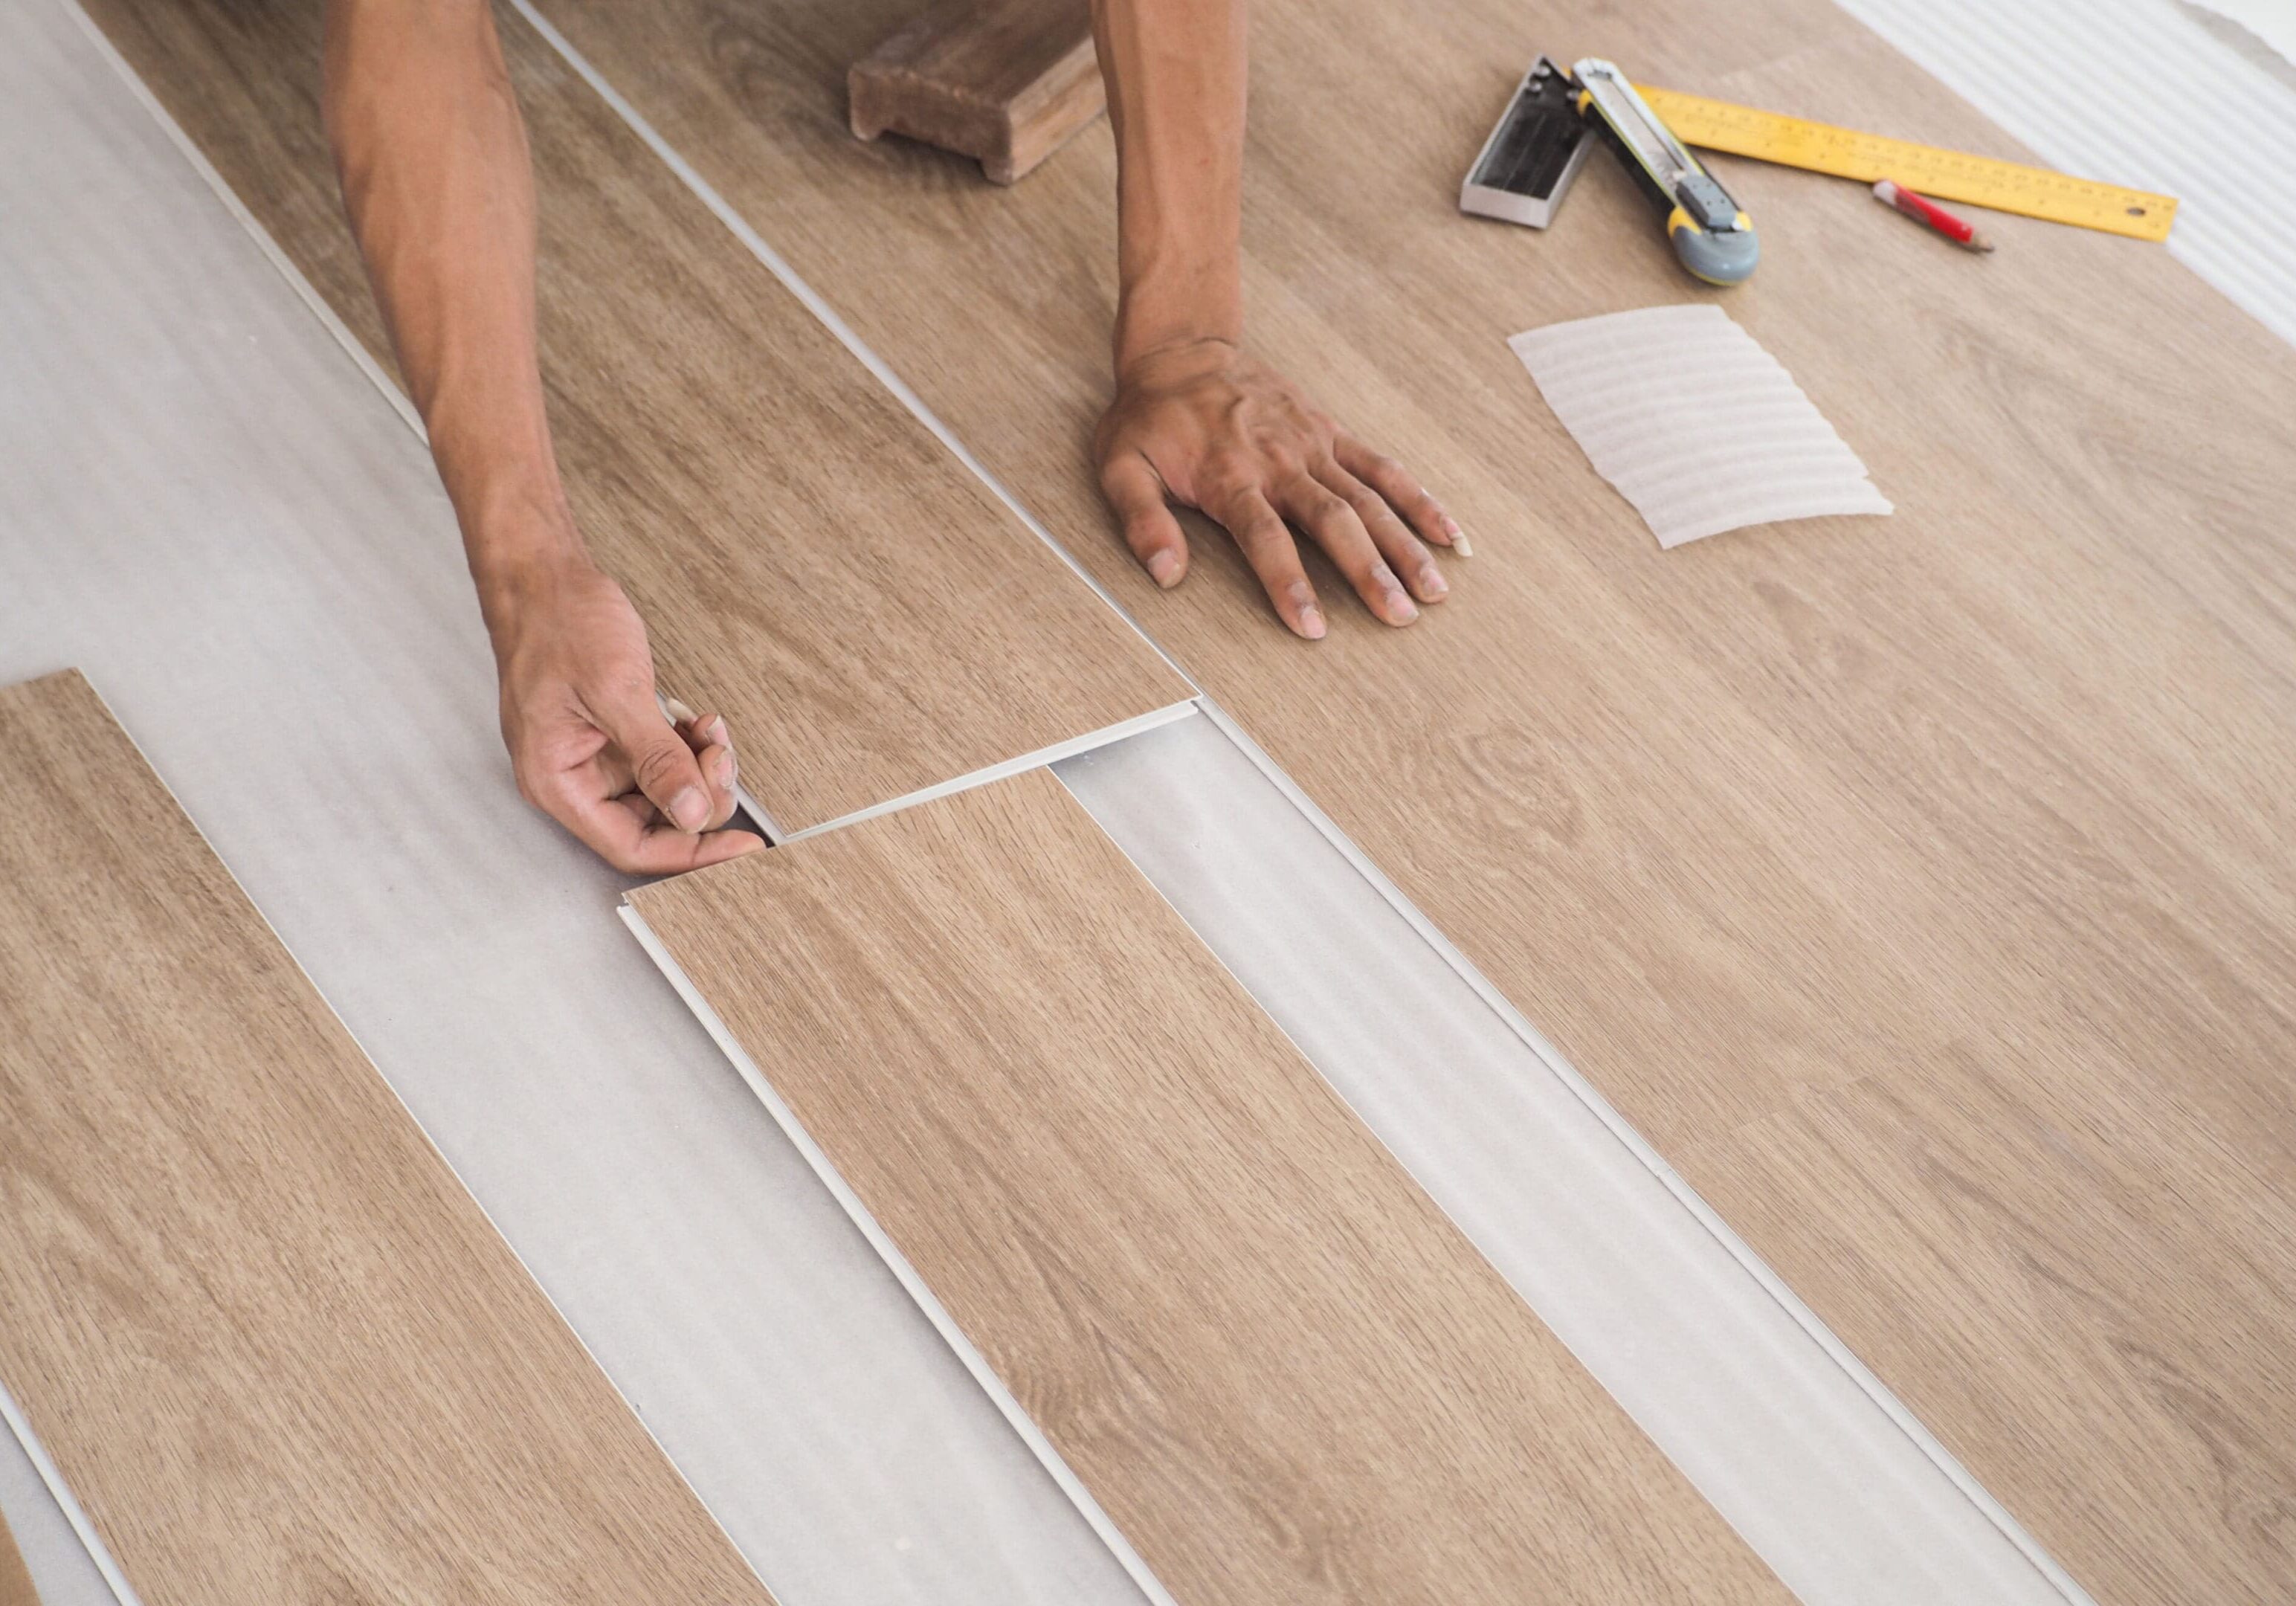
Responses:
[1175,72]
[438,181]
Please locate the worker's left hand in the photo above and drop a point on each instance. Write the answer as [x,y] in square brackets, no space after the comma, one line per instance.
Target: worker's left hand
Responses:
[1207,425]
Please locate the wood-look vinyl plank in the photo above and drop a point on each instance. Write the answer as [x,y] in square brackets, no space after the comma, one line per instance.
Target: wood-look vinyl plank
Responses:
[807,558]
[1280,1370]
[15,1583]
[1993,795]
[275,1351]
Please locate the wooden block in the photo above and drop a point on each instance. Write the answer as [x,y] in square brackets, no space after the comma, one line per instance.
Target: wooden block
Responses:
[1849,826]
[808,558]
[1007,81]
[1281,1370]
[275,1351]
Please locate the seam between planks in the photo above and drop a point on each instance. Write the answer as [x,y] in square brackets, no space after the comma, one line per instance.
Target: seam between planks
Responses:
[792,281]
[272,253]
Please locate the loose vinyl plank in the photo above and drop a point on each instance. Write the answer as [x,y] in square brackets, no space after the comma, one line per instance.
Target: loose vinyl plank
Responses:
[809,559]
[1279,1369]
[276,1351]
[1989,801]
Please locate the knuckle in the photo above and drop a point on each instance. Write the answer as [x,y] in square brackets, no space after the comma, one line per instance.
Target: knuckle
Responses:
[1230,474]
[653,765]
[1116,478]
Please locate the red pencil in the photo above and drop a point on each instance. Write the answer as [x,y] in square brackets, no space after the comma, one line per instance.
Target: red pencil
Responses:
[1931,214]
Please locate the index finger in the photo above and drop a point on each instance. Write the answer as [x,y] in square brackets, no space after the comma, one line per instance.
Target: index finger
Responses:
[628,832]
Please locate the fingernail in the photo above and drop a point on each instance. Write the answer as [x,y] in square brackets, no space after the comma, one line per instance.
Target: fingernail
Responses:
[1164,569]
[1459,542]
[689,810]
[1395,600]
[716,733]
[1431,582]
[1311,622]
[725,772]
[678,712]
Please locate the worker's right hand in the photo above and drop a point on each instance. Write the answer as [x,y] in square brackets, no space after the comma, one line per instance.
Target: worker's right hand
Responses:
[591,747]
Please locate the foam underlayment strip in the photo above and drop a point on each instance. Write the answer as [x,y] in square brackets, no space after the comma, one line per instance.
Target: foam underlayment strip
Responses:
[2135,92]
[1835,1484]
[1697,426]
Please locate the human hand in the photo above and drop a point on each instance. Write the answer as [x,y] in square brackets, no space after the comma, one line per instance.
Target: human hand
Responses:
[1206,425]
[590,745]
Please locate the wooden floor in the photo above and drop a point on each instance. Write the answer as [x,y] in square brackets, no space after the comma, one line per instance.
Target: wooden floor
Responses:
[808,559]
[1281,1370]
[1920,886]
[275,1351]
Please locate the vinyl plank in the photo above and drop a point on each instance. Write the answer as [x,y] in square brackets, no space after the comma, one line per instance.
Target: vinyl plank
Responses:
[870,618]
[274,1349]
[15,1582]
[2003,782]
[1278,1368]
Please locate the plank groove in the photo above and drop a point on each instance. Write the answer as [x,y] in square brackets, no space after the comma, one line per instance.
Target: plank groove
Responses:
[807,558]
[1280,1370]
[276,1351]
[1987,806]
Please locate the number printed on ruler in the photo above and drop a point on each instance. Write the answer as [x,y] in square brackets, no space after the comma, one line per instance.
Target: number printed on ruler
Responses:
[2005,186]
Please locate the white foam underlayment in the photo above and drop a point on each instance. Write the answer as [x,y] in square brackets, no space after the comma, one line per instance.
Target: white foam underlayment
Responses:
[2133,92]
[1826,1475]
[1693,421]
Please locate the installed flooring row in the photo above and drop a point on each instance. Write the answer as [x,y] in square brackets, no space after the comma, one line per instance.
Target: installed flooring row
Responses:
[1919,887]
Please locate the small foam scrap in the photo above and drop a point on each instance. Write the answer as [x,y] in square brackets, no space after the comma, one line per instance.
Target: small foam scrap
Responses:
[1694,424]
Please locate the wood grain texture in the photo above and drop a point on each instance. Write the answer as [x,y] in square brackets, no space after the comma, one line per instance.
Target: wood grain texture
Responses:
[1007,82]
[807,558]
[1281,1370]
[15,1583]
[1989,801]
[275,1351]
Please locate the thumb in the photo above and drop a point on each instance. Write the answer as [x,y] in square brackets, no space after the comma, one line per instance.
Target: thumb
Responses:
[660,762]
[1137,493]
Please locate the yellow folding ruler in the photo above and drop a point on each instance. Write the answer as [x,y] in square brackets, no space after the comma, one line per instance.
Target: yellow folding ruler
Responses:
[2005,186]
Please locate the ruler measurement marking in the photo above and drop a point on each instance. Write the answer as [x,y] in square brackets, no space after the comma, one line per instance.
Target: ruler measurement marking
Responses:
[1946,175]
